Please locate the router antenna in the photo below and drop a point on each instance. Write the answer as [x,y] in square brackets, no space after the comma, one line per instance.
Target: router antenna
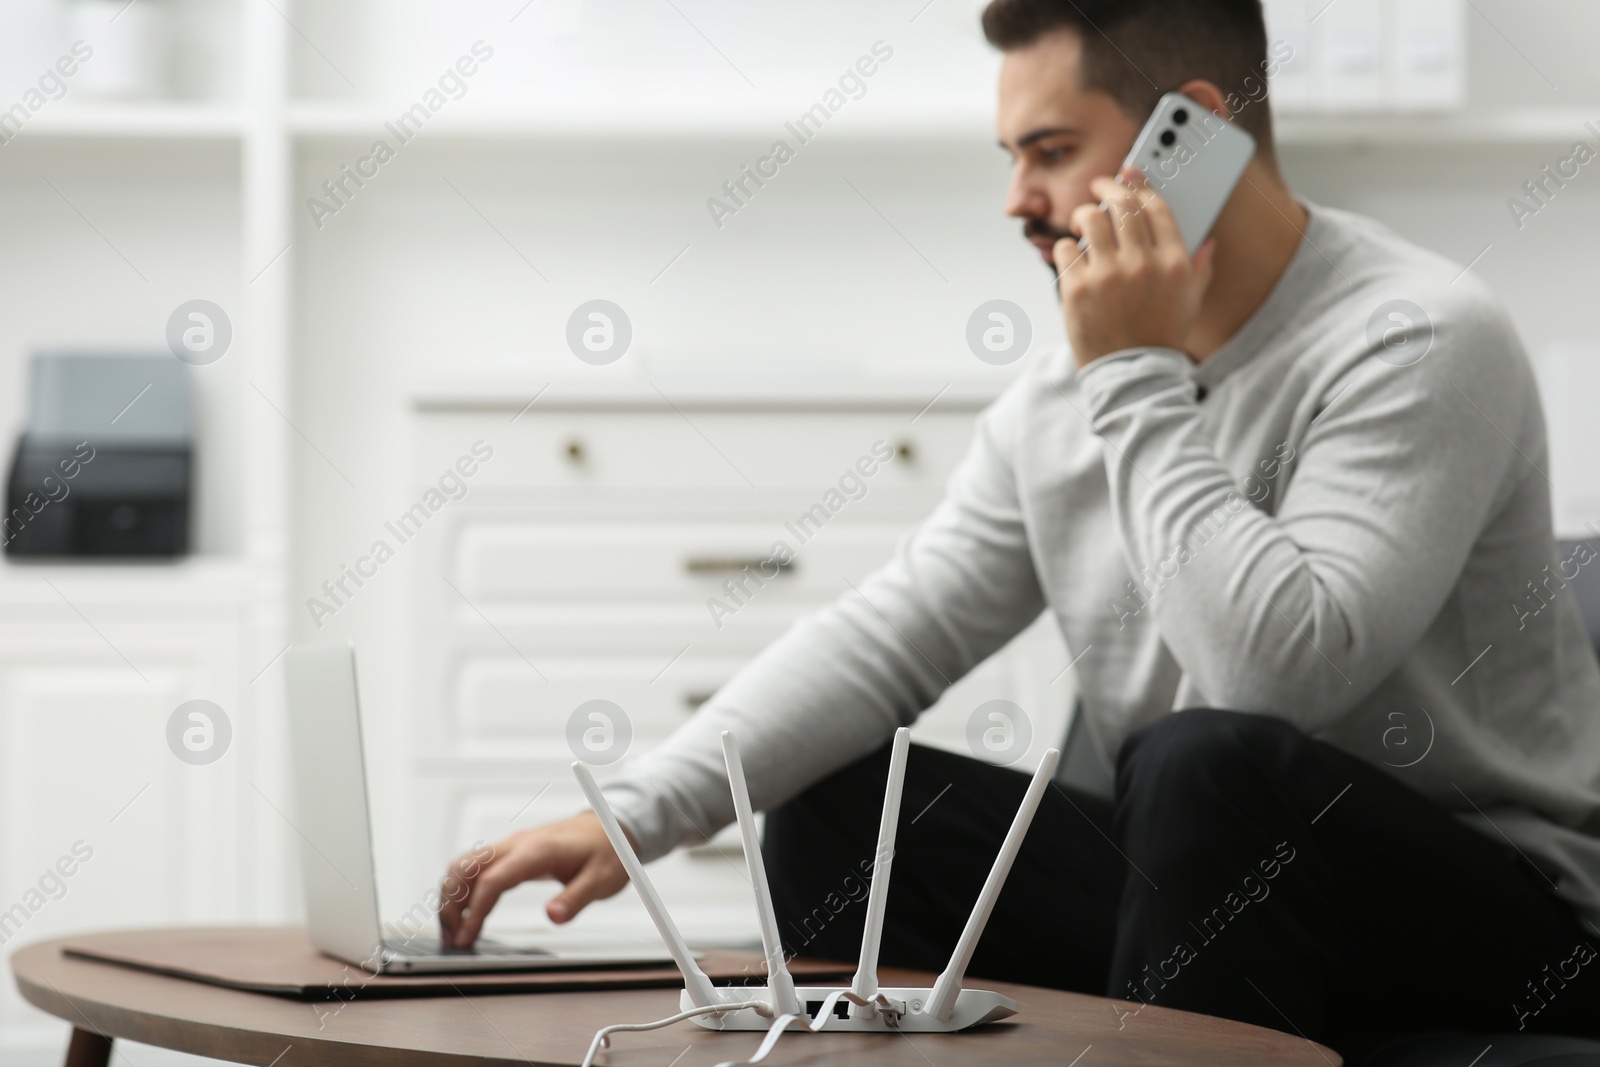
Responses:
[865,985]
[942,1000]
[699,988]
[781,985]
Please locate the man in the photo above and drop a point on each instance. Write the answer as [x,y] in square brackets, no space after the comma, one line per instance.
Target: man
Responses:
[1297,478]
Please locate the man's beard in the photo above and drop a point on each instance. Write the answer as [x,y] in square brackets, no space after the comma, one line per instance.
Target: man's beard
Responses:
[1033,228]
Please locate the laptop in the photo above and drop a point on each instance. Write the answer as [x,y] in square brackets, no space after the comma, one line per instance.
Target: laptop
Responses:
[335,830]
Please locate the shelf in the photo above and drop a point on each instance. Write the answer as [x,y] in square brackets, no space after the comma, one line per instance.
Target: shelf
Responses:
[154,121]
[1558,126]
[638,120]
[360,122]
[189,580]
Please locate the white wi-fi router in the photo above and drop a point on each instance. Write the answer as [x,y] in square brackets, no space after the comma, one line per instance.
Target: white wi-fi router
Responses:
[943,1008]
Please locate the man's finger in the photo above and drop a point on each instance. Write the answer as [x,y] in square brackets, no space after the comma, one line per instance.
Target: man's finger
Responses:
[1125,206]
[1097,232]
[454,891]
[485,891]
[1127,214]
[593,882]
[1067,255]
[1204,263]
[508,867]
[1163,227]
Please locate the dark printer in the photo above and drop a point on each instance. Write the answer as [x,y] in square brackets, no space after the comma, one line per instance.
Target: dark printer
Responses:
[105,464]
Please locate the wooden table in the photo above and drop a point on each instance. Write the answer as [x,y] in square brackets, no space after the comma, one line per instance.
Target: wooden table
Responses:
[103,1001]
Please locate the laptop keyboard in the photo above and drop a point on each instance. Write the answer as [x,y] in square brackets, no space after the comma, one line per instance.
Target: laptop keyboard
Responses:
[431,946]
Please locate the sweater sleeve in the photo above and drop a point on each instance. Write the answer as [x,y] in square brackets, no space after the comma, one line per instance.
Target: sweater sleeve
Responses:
[1300,614]
[838,683]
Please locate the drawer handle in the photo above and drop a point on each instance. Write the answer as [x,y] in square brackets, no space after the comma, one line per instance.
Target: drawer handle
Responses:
[575,452]
[711,565]
[905,451]
[711,850]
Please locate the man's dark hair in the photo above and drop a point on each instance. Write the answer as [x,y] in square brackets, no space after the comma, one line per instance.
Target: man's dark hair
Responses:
[1137,50]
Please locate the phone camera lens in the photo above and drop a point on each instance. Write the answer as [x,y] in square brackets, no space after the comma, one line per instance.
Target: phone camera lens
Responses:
[1169,138]
[1181,116]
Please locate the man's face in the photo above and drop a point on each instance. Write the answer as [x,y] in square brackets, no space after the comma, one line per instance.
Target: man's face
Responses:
[1059,137]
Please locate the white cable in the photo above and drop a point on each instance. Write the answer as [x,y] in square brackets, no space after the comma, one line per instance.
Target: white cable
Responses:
[891,1009]
[826,1011]
[773,1033]
[602,1036]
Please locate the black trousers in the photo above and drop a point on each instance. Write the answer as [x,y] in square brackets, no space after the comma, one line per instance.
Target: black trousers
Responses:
[1244,870]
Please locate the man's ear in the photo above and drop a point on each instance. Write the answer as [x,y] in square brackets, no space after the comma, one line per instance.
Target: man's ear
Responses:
[1207,96]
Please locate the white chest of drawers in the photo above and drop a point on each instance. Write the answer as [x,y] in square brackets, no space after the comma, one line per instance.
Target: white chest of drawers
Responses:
[585,559]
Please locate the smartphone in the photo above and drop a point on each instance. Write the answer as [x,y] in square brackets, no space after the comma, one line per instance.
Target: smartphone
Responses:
[1193,158]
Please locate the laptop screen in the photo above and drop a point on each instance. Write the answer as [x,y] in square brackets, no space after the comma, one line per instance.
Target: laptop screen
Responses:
[330,815]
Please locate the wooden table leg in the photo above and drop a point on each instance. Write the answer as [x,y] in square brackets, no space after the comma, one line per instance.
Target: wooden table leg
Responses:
[88,1049]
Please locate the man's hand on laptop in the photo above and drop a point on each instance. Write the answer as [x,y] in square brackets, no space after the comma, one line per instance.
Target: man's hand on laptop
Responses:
[573,851]
[1135,286]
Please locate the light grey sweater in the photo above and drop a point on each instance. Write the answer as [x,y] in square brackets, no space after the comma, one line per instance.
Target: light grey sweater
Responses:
[1339,534]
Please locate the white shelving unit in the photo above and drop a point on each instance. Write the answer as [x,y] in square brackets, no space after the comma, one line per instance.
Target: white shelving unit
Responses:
[154,201]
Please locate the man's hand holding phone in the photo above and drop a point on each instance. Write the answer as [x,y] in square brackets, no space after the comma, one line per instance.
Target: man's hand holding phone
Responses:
[573,851]
[1134,283]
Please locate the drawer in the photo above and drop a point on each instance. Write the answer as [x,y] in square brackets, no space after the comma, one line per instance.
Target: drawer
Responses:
[529,639]
[528,561]
[713,449]
[502,709]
